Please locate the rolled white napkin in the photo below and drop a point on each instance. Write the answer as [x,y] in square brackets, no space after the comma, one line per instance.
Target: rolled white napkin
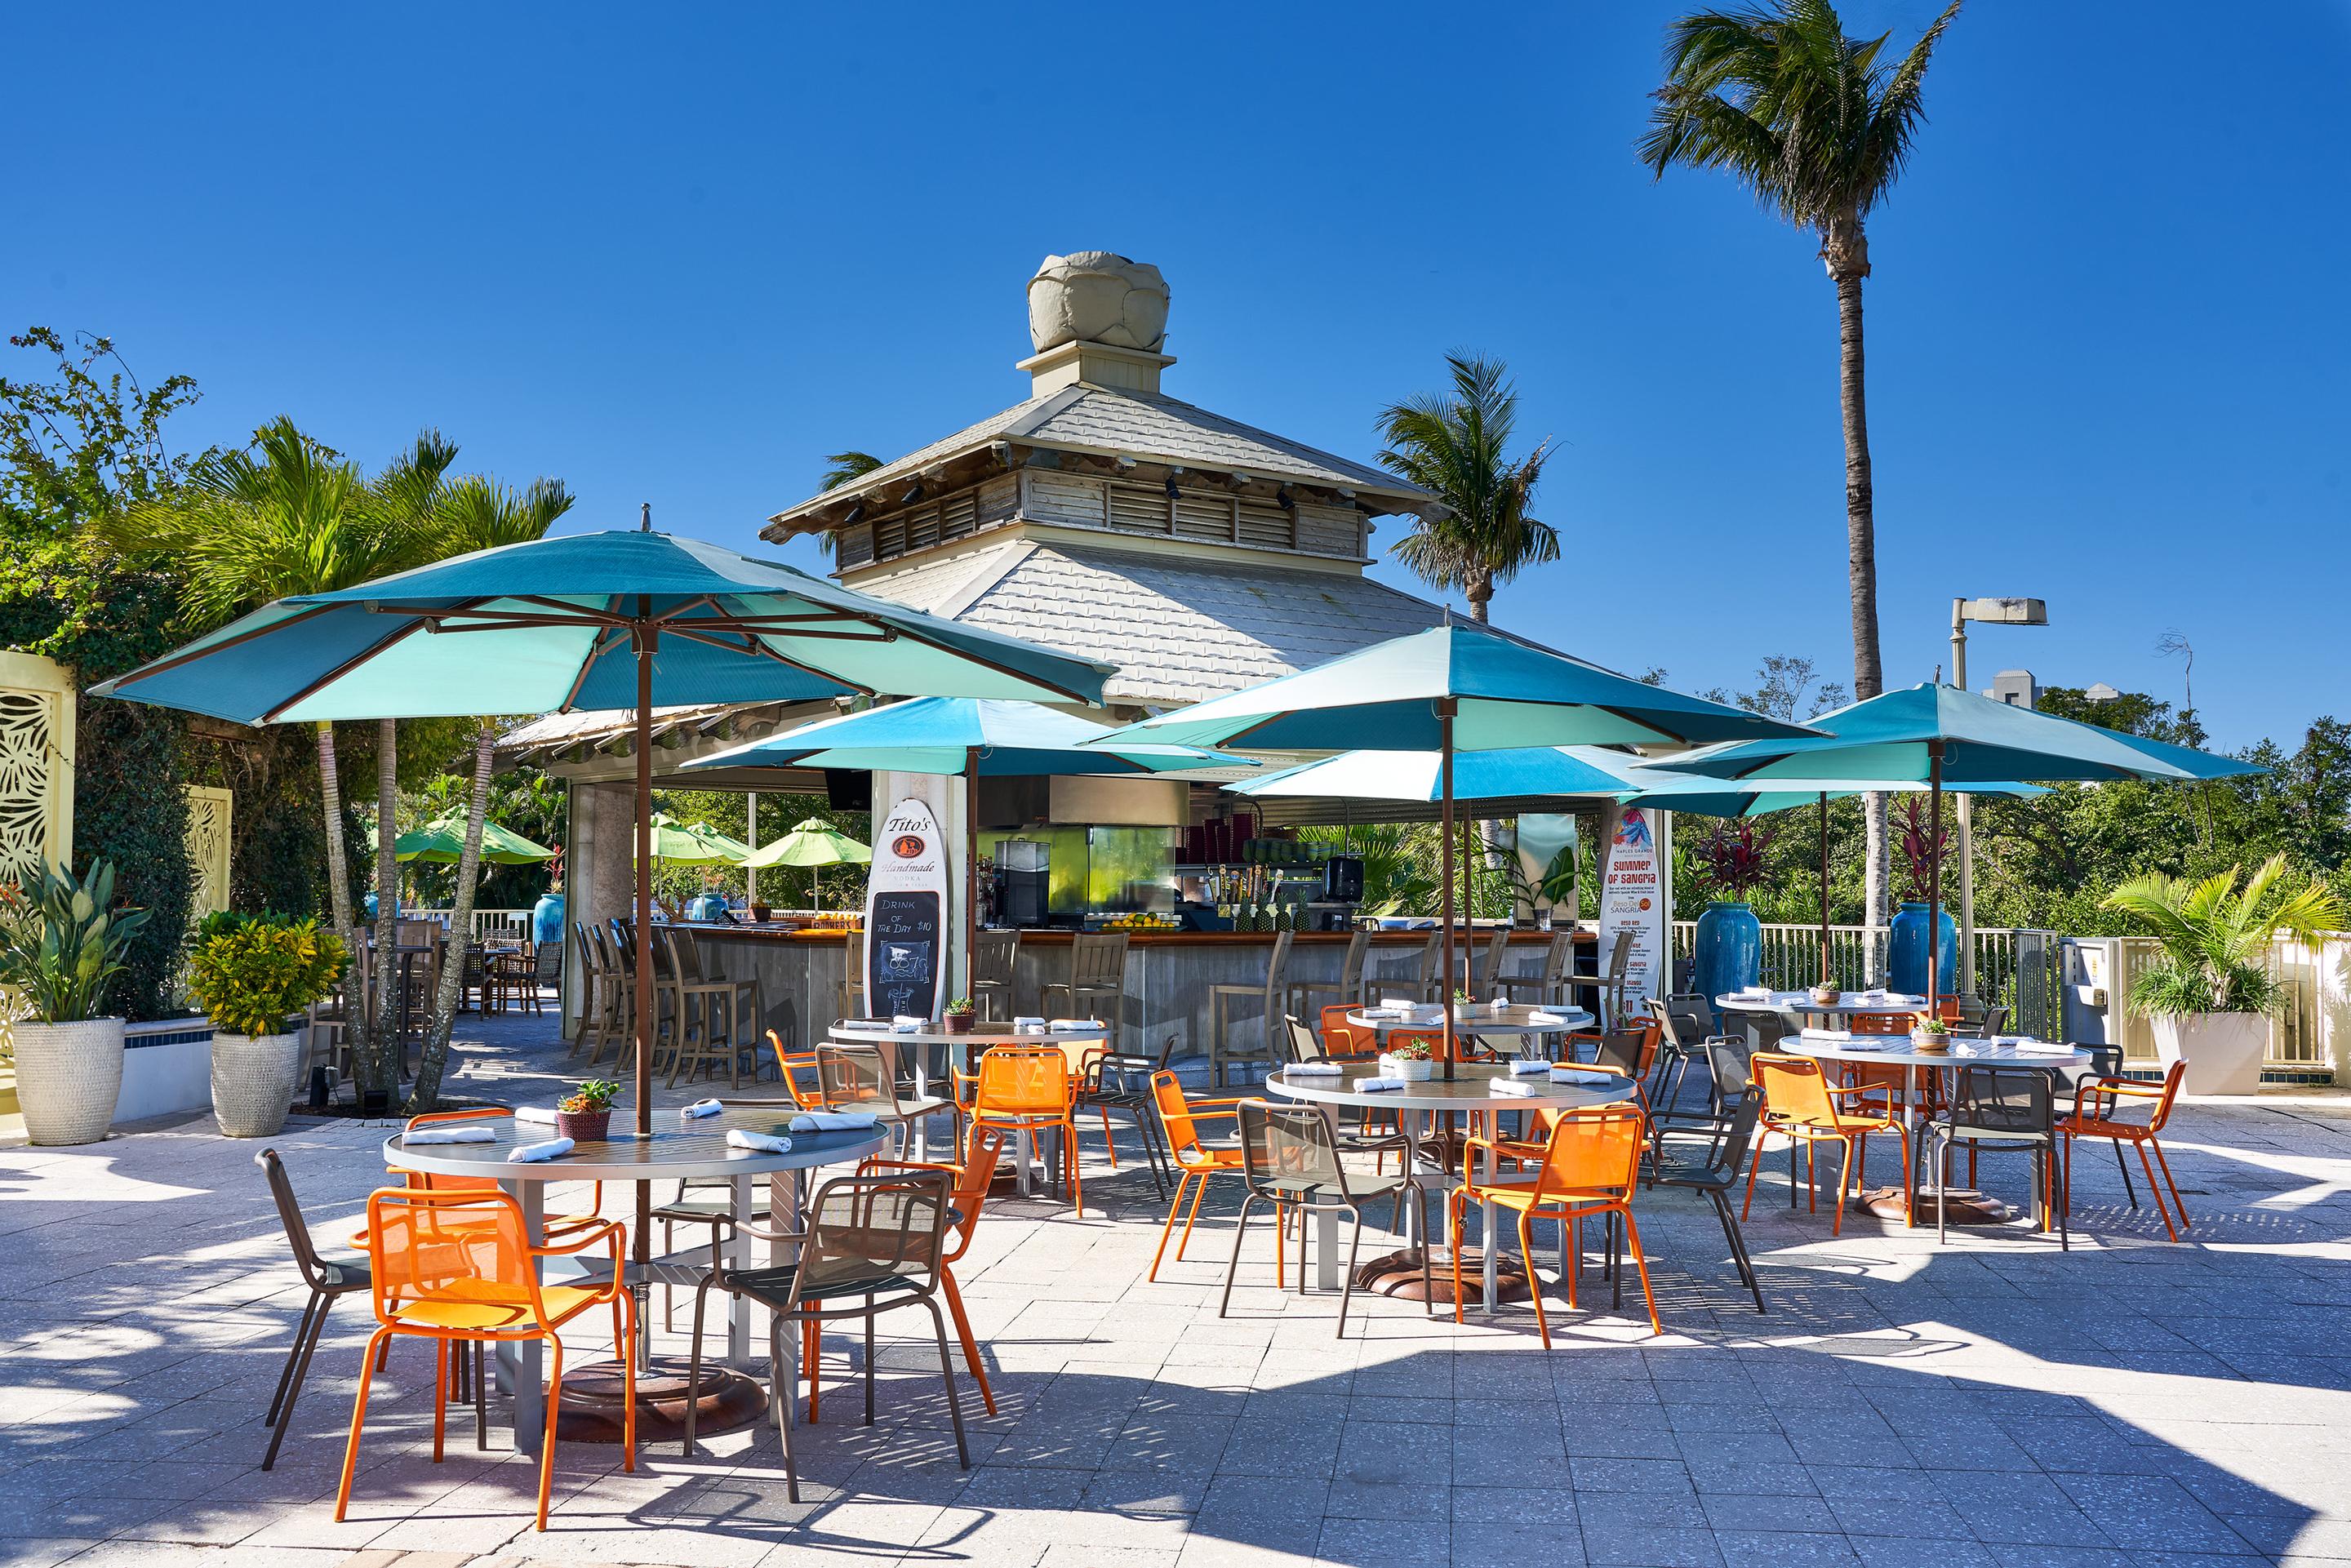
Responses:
[1529,1067]
[758,1143]
[834,1122]
[1539,1016]
[1512,1088]
[699,1109]
[865,1026]
[1829,1036]
[1313,1069]
[1754,991]
[1399,1004]
[1075,1025]
[2037,1048]
[449,1135]
[1029,1020]
[542,1114]
[1870,1042]
[1583,1076]
[1378,1086]
[1384,1012]
[531,1153]
[903,1024]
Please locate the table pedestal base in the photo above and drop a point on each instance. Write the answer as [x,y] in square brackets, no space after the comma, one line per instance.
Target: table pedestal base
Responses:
[593,1404]
[1397,1274]
[1967,1207]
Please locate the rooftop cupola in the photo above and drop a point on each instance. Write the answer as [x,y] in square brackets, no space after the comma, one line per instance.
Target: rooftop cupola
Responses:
[1097,317]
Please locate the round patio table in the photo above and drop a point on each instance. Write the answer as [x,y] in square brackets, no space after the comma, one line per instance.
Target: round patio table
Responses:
[677,1150]
[1472,1088]
[937,1040]
[1896,1050]
[1519,1017]
[1848,1004]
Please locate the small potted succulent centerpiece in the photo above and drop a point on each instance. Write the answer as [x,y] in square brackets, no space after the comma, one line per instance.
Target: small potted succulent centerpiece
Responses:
[1412,1061]
[585,1115]
[2211,994]
[1826,995]
[960,1015]
[1465,1006]
[1928,1032]
[61,945]
[254,976]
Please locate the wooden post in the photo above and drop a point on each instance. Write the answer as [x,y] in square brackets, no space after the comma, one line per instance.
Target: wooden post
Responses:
[1445,711]
[1826,970]
[1935,877]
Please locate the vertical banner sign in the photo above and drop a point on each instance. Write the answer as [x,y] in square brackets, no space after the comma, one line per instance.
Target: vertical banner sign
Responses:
[1632,898]
[1546,850]
[905,915]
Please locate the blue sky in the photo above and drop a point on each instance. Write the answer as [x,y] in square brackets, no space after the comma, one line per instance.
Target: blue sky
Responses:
[678,260]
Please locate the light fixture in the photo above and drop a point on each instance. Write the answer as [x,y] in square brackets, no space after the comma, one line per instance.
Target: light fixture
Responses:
[1285,500]
[853,513]
[915,493]
[2002,611]
[1173,493]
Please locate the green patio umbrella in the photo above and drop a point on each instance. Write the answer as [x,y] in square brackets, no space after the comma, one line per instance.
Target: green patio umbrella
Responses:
[693,843]
[442,841]
[1942,737]
[620,619]
[976,738]
[814,843]
[1449,689]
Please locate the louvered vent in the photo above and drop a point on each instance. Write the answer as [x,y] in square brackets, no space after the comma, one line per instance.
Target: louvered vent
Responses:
[1203,518]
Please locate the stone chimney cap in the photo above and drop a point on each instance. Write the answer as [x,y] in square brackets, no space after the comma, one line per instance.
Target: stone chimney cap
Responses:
[1097,296]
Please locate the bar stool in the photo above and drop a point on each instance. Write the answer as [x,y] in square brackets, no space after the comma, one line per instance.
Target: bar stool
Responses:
[849,996]
[1097,975]
[995,958]
[697,1036]
[1549,983]
[1348,991]
[1485,966]
[1268,995]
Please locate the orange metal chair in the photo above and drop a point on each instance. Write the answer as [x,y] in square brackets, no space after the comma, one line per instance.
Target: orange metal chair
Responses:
[1590,1165]
[2097,1101]
[460,1267]
[972,1176]
[1800,1105]
[1028,1089]
[1343,1040]
[801,1079]
[1880,1023]
[558,1226]
[1195,1161]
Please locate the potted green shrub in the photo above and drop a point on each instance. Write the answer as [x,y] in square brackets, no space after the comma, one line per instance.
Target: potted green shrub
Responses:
[254,976]
[61,945]
[2211,995]
[585,1115]
[1930,1032]
[960,1014]
[1411,1061]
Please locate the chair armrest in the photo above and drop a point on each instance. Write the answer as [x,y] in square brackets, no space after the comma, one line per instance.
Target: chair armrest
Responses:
[588,1237]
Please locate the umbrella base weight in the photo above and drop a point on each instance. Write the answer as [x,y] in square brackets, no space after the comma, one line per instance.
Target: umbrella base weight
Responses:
[592,1403]
[1397,1274]
[1967,1208]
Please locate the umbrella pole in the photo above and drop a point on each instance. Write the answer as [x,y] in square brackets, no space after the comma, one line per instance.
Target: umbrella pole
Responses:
[1445,707]
[1824,889]
[1935,878]
[970,865]
[644,1086]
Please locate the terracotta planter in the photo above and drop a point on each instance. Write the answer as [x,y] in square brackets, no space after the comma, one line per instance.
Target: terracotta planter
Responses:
[255,1079]
[68,1076]
[583,1126]
[959,1023]
[2224,1050]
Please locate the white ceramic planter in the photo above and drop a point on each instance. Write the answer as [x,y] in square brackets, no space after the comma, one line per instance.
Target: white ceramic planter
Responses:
[1412,1070]
[2224,1050]
[67,1075]
[253,1080]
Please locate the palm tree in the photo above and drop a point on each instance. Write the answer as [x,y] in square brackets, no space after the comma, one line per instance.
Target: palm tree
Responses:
[841,467]
[1455,446]
[1818,126]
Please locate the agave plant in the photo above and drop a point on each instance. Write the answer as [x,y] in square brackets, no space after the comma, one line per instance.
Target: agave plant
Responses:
[64,941]
[2215,937]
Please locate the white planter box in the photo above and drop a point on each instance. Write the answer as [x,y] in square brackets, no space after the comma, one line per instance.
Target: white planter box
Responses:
[2224,1050]
[166,1069]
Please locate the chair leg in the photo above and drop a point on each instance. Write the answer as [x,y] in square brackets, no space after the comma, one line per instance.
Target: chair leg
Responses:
[300,1369]
[1347,1280]
[1233,1270]
[1454,1223]
[2155,1192]
[1738,1258]
[1183,1180]
[946,1375]
[358,1418]
[625,1337]
[2169,1180]
[870,1316]
[2124,1166]
[1754,1168]
[694,1365]
[440,1395]
[781,1396]
[1199,1191]
[554,1411]
[481,1349]
[310,1309]
[1942,1186]
[1534,1280]
[970,1345]
[1641,1262]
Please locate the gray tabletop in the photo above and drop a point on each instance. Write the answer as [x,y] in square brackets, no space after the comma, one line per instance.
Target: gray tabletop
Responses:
[1516,1019]
[677,1149]
[1897,1051]
[1847,1003]
[979,1034]
[1470,1089]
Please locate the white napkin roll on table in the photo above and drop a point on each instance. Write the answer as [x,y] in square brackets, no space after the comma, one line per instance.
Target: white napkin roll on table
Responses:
[758,1143]
[699,1109]
[1313,1069]
[1513,1088]
[531,1153]
[835,1121]
[1529,1067]
[1075,1025]
[1583,1076]
[449,1135]
[542,1114]
[1378,1086]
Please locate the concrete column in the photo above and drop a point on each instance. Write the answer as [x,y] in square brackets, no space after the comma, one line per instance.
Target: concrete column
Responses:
[598,861]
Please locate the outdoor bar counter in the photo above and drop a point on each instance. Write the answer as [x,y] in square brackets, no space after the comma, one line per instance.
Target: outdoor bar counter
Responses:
[1169,973]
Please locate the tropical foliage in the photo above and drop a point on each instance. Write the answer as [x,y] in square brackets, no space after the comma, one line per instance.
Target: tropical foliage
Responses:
[839,468]
[1734,856]
[1456,445]
[63,941]
[252,973]
[1818,126]
[2216,936]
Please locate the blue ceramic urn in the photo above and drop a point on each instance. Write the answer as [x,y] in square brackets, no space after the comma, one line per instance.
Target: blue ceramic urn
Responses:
[707,906]
[1729,949]
[546,920]
[1905,951]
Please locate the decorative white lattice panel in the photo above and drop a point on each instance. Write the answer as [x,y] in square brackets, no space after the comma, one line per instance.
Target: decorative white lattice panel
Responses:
[208,845]
[37,738]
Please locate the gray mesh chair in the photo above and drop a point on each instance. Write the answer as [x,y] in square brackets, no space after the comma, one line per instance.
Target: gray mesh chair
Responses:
[1685,1029]
[1716,1171]
[1999,1109]
[330,1279]
[1378,1131]
[873,1243]
[859,1078]
[1290,1158]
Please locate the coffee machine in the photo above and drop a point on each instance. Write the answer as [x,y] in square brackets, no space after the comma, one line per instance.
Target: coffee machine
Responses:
[1023,868]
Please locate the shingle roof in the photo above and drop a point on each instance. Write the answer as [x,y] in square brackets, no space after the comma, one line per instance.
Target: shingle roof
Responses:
[1180,630]
[1084,418]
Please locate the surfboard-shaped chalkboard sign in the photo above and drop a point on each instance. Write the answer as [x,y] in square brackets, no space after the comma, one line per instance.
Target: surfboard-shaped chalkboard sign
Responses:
[905,915]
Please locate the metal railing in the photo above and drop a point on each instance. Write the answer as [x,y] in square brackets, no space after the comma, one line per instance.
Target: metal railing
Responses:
[483,921]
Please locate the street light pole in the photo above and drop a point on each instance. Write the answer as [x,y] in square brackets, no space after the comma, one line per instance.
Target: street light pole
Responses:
[2002,611]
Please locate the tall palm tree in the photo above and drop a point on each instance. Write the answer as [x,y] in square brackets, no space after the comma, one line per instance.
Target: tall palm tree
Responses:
[841,467]
[1455,447]
[1819,127]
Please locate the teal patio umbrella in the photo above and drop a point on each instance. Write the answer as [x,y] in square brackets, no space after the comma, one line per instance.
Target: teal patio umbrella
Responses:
[974,737]
[1942,737]
[1477,775]
[621,619]
[1451,689]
